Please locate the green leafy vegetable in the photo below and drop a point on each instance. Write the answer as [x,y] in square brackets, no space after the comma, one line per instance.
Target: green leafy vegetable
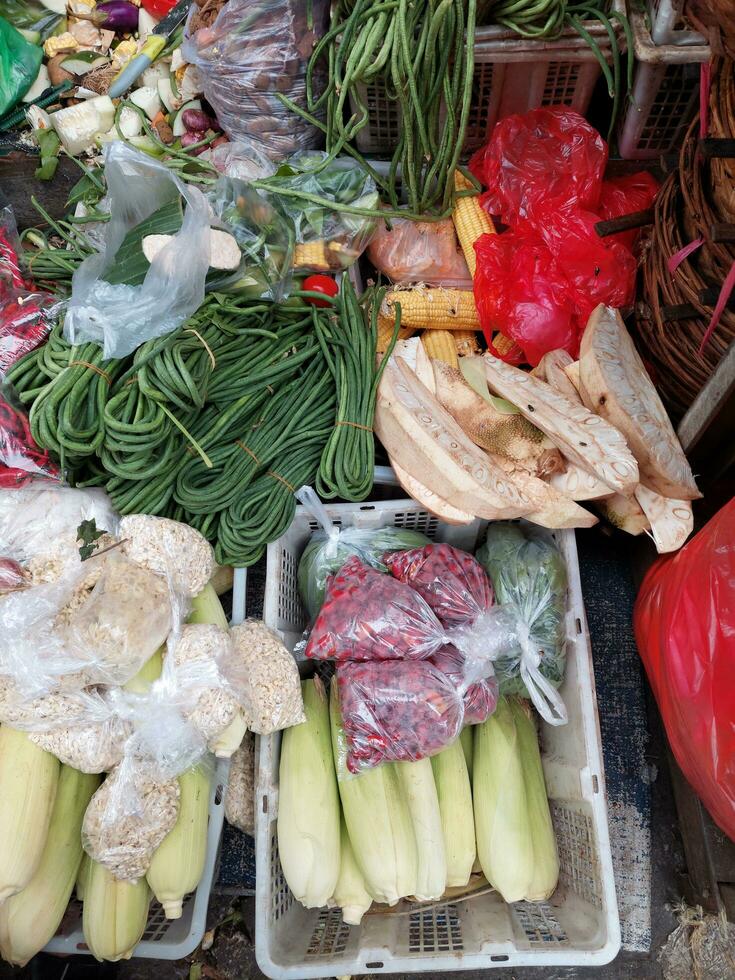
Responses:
[88,534]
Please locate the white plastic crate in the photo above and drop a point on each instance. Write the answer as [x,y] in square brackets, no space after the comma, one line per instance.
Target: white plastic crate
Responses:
[171,939]
[668,25]
[512,74]
[578,926]
[665,95]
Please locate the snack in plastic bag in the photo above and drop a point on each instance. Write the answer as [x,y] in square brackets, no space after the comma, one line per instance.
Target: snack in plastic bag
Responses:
[684,621]
[396,711]
[123,839]
[530,582]
[126,618]
[420,251]
[240,794]
[21,460]
[330,547]
[370,616]
[545,161]
[210,706]
[169,548]
[480,698]
[255,51]
[266,678]
[327,239]
[120,317]
[89,747]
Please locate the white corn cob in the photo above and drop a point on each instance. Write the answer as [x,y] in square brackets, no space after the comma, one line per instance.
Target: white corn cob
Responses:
[29,919]
[28,780]
[178,863]
[115,913]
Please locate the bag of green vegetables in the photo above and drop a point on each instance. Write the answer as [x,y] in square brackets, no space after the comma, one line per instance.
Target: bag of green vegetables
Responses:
[529,577]
[330,546]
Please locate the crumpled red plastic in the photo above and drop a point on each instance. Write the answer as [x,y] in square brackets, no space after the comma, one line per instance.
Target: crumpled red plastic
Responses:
[623,195]
[543,161]
[684,622]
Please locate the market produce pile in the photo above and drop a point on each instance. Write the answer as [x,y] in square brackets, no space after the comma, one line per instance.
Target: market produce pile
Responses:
[433,763]
[120,678]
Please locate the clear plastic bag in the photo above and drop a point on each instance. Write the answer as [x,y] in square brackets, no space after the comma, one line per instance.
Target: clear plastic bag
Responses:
[121,317]
[396,711]
[420,251]
[340,238]
[370,616]
[255,51]
[530,582]
[265,679]
[330,547]
[21,460]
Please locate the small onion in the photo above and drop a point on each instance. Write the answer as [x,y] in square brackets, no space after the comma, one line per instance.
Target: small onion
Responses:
[189,139]
[196,121]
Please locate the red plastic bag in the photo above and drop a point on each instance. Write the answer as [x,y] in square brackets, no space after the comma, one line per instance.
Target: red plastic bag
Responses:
[520,291]
[396,712]
[623,195]
[21,461]
[367,615]
[545,160]
[685,630]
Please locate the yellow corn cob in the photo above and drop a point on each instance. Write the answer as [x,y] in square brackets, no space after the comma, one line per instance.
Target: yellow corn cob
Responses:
[385,332]
[466,342]
[65,42]
[311,255]
[439,346]
[470,221]
[115,913]
[29,919]
[28,781]
[178,862]
[433,309]
[502,344]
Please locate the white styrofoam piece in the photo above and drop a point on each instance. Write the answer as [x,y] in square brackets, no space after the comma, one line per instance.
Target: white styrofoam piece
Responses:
[580,928]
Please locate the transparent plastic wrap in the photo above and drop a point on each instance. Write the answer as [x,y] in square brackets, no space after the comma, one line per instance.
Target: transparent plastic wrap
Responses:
[370,616]
[420,251]
[265,678]
[21,460]
[169,548]
[530,582]
[455,586]
[264,234]
[396,711]
[120,317]
[328,240]
[255,51]
[330,547]
[39,525]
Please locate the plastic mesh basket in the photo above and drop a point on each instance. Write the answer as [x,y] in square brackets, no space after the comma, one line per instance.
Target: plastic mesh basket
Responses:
[663,101]
[668,25]
[581,927]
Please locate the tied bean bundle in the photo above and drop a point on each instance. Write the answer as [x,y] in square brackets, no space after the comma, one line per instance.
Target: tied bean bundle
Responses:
[216,424]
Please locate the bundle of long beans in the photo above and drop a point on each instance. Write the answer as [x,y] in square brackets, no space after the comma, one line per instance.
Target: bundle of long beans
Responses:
[218,423]
[422,52]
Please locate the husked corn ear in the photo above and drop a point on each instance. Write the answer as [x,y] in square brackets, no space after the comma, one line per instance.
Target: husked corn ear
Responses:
[115,913]
[386,325]
[466,342]
[29,919]
[28,780]
[311,255]
[178,863]
[433,309]
[439,346]
[470,220]
[502,344]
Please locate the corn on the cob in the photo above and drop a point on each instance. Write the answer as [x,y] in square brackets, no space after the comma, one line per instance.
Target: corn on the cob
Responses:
[29,919]
[432,309]
[455,805]
[470,221]
[311,255]
[439,346]
[115,913]
[386,326]
[81,877]
[28,781]
[178,863]
[502,344]
[466,342]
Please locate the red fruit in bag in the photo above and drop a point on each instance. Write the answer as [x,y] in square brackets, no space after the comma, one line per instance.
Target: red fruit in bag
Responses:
[367,615]
[684,622]
[546,160]
[396,711]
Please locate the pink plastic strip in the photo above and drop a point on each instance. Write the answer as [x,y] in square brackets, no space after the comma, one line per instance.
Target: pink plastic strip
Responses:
[725,293]
[678,257]
[705,78]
